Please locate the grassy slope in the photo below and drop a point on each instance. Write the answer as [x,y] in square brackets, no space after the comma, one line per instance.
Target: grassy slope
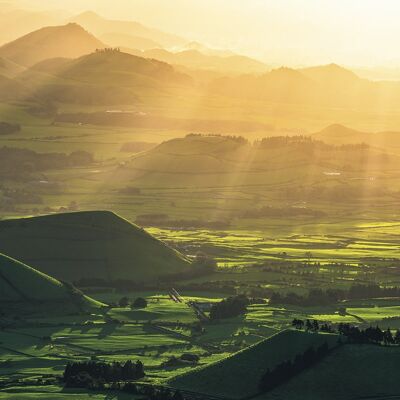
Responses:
[351,372]
[20,283]
[238,375]
[212,161]
[89,245]
[108,78]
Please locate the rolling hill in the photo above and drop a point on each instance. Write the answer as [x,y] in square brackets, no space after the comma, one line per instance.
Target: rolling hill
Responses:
[102,26]
[94,245]
[203,161]
[70,41]
[281,84]
[103,77]
[333,73]
[338,134]
[238,375]
[23,286]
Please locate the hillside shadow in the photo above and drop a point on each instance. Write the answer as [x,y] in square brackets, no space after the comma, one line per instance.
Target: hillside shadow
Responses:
[107,330]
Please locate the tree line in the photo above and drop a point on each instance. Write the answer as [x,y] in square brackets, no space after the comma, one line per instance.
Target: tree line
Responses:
[354,334]
[14,162]
[331,296]
[92,374]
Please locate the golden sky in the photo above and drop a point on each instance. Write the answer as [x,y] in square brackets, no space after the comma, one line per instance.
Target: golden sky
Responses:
[292,32]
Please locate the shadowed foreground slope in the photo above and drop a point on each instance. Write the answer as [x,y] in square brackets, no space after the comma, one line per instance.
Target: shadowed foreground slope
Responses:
[24,287]
[94,245]
[238,376]
[350,373]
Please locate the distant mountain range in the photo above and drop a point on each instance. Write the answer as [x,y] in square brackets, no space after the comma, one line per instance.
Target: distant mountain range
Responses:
[63,64]
[101,26]
[328,85]
[196,59]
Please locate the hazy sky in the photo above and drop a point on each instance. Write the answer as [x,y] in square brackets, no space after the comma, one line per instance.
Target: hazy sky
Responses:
[352,32]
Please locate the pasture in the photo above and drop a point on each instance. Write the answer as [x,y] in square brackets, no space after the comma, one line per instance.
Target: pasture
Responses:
[37,347]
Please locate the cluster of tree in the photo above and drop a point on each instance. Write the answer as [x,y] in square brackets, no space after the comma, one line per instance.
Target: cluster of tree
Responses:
[14,162]
[331,296]
[279,212]
[162,220]
[109,50]
[311,325]
[184,359]
[139,302]
[230,307]
[7,128]
[359,291]
[306,142]
[369,335]
[313,297]
[287,369]
[160,393]
[354,334]
[237,139]
[92,373]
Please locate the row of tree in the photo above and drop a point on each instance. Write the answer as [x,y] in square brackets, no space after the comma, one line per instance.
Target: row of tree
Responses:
[331,296]
[16,161]
[354,334]
[287,369]
[93,373]
[139,302]
[311,325]
[306,142]
[153,393]
[369,335]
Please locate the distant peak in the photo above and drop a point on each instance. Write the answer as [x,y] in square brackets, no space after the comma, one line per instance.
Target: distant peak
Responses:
[72,25]
[88,14]
[337,129]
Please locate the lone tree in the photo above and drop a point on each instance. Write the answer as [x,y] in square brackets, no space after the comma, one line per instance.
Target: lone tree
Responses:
[140,302]
[123,302]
